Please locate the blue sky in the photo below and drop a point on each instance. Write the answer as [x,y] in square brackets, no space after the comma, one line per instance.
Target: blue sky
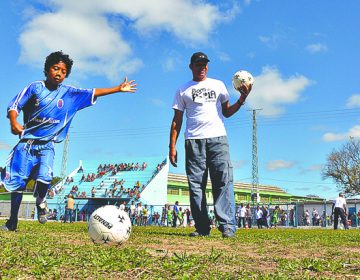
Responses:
[304,56]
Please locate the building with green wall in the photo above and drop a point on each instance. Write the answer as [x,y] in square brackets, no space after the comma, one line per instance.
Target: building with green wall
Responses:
[178,190]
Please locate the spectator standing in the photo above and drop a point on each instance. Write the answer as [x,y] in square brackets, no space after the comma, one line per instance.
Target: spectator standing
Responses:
[314,217]
[241,215]
[248,216]
[187,216]
[122,206]
[339,210]
[307,217]
[139,211]
[145,213]
[181,217]
[175,213]
[266,217]
[164,216]
[275,217]
[157,220]
[132,212]
[69,211]
[259,217]
[206,102]
[169,216]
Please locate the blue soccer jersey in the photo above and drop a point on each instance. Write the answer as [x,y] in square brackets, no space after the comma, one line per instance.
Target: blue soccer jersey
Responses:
[48,114]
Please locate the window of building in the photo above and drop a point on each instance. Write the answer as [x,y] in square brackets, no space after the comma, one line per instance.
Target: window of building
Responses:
[185,192]
[173,191]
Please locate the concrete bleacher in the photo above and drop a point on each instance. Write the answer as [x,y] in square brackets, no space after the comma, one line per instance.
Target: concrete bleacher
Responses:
[105,182]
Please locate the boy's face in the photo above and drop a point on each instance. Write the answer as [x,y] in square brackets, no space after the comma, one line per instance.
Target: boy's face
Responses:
[57,73]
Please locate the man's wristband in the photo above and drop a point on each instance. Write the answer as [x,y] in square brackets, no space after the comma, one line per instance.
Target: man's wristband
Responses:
[239,102]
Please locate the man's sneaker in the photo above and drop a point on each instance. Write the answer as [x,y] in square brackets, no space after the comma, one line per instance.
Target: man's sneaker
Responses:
[8,226]
[228,233]
[196,234]
[42,212]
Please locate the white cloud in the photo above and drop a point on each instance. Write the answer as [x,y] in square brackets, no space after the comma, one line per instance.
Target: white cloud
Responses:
[237,164]
[158,102]
[279,164]
[312,168]
[84,29]
[93,44]
[315,167]
[316,48]
[271,92]
[224,57]
[353,132]
[271,41]
[353,101]
[169,64]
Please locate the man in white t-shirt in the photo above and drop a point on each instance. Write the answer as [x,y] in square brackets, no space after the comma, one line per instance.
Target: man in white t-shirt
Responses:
[259,217]
[242,215]
[339,209]
[139,213]
[132,212]
[122,206]
[205,102]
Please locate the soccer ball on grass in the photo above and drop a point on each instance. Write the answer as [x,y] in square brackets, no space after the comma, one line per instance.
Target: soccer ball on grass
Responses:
[240,78]
[109,225]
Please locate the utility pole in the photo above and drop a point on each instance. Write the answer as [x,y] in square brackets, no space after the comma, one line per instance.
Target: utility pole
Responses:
[255,171]
[64,158]
[60,195]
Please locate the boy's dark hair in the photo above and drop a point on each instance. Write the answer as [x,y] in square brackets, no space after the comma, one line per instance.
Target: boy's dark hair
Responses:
[56,57]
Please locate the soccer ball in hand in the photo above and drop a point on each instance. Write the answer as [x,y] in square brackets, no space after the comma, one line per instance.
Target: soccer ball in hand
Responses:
[109,225]
[242,77]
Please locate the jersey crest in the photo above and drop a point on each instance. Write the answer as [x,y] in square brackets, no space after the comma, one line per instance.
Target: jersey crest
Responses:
[60,103]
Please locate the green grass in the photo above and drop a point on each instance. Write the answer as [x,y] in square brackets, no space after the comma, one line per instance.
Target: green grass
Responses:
[64,251]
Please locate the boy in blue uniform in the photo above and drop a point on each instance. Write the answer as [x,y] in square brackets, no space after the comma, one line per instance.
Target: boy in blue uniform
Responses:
[48,108]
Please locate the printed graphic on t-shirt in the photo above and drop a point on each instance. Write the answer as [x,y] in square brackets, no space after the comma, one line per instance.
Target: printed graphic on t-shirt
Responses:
[203,95]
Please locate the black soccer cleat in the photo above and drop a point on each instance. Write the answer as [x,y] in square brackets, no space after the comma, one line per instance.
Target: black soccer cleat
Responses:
[9,226]
[42,212]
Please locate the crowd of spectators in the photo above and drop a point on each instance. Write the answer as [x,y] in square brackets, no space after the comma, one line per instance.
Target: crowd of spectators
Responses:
[263,216]
[117,188]
[112,169]
[180,216]
[324,219]
[170,216]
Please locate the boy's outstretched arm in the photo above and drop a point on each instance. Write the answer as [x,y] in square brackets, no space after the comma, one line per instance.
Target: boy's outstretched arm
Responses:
[126,86]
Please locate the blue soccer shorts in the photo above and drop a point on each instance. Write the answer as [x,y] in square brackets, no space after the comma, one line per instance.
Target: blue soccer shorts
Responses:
[29,159]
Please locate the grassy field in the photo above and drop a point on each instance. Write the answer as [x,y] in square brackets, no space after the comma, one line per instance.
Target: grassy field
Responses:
[64,251]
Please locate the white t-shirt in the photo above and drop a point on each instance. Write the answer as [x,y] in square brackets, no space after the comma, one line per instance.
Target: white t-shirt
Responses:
[139,210]
[242,212]
[340,202]
[259,214]
[202,103]
[132,209]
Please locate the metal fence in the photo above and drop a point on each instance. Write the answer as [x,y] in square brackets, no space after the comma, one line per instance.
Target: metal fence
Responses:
[26,211]
[290,215]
